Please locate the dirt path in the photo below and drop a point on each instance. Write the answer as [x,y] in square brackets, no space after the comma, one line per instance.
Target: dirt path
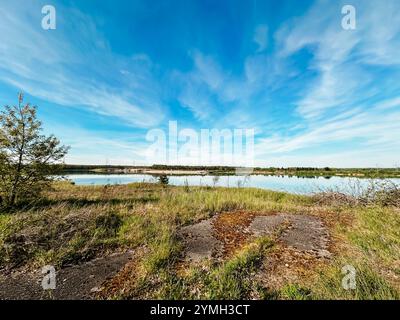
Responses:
[301,242]
[225,233]
[301,232]
[76,282]
[200,242]
[302,246]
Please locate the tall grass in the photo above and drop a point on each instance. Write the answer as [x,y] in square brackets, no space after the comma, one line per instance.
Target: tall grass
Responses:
[73,224]
[231,279]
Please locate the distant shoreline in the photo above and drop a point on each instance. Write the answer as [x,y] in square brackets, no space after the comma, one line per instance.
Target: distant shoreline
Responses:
[157,170]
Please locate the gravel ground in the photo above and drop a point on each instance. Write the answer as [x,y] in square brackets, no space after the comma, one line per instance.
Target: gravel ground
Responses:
[75,282]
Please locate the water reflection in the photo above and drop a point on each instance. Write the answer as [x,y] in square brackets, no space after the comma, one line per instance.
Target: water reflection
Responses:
[293,184]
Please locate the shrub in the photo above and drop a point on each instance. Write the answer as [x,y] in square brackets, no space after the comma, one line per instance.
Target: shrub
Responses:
[163,180]
[27,158]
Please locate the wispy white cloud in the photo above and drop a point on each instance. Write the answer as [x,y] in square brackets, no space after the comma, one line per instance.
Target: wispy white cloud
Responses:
[74,65]
[389,104]
[341,56]
[345,159]
[337,88]
[101,147]
[261,37]
[340,94]
[199,86]
[358,130]
[214,93]
[344,104]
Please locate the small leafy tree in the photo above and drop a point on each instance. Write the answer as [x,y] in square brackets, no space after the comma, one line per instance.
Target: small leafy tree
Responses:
[163,180]
[215,180]
[28,159]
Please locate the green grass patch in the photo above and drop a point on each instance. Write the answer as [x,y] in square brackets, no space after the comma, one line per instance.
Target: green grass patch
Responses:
[231,279]
[73,224]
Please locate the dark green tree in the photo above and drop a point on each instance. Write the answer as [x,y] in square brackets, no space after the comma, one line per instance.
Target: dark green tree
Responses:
[163,180]
[29,160]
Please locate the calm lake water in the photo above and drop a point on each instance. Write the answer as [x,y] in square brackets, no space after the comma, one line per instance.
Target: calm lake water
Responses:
[280,183]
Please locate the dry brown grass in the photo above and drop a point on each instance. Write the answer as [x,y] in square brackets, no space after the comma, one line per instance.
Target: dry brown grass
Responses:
[74,223]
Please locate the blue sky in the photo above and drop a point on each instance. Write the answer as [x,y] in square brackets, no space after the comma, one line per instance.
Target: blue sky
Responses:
[315,94]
